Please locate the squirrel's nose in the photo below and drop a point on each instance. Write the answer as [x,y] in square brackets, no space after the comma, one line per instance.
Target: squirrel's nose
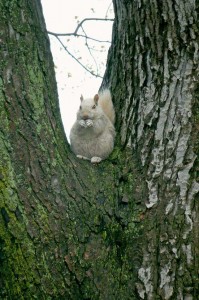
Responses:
[85,117]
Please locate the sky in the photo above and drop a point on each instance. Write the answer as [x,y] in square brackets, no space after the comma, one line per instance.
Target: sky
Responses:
[62,16]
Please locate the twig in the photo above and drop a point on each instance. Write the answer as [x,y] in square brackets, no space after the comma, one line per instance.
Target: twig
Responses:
[91,54]
[92,73]
[57,35]
[90,19]
[108,8]
[76,35]
[78,27]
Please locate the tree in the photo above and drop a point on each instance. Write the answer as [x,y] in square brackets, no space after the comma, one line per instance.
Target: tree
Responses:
[127,228]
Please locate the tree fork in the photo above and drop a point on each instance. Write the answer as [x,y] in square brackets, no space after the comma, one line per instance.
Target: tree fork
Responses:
[126,229]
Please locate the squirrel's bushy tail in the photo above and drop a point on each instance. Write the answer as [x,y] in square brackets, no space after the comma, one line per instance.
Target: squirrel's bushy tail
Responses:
[105,101]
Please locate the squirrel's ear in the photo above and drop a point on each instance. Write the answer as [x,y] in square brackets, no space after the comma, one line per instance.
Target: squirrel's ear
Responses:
[96,98]
[81,98]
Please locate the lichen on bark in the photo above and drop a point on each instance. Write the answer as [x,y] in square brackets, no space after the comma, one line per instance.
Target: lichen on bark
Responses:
[126,228]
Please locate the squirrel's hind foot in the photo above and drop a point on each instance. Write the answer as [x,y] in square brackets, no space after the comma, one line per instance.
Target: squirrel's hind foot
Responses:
[95,159]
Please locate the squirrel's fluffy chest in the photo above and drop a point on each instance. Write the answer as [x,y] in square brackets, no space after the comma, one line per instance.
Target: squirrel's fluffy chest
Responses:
[89,145]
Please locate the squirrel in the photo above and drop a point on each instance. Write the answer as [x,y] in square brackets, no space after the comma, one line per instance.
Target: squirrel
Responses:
[92,135]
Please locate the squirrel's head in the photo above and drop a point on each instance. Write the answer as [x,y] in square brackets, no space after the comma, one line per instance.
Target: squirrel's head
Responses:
[89,108]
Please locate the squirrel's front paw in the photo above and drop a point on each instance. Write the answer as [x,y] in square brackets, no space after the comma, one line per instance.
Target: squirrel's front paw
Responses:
[89,122]
[95,159]
[82,123]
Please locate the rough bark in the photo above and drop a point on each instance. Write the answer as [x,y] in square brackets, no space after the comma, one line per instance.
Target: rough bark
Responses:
[67,228]
[153,68]
[126,229]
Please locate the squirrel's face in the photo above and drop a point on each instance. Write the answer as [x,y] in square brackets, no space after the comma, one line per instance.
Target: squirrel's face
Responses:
[89,109]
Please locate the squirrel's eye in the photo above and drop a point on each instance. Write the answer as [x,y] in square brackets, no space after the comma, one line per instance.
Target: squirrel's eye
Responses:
[80,107]
[94,106]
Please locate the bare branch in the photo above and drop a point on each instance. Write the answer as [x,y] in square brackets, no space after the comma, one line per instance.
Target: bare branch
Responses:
[77,35]
[108,8]
[78,27]
[92,73]
[90,19]
[89,49]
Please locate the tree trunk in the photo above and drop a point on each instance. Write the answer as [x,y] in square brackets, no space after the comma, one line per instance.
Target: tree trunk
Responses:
[155,56]
[127,228]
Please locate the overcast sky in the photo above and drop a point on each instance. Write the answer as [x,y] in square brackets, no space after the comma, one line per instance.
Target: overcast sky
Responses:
[61,16]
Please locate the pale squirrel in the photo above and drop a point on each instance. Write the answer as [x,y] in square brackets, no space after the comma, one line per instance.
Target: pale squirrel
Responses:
[92,135]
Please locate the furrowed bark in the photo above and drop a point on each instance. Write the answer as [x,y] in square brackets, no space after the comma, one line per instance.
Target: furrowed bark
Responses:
[155,55]
[67,228]
[127,228]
